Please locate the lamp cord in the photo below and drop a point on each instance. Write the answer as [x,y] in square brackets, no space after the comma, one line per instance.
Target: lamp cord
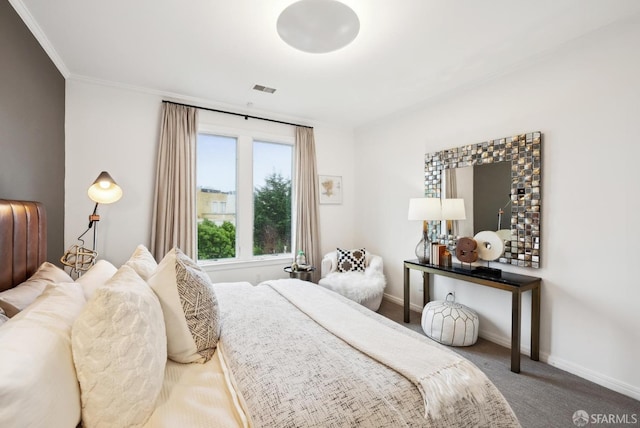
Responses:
[91,221]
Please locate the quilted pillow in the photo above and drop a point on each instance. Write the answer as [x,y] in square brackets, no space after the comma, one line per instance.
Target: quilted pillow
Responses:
[25,293]
[142,262]
[351,260]
[120,352]
[190,308]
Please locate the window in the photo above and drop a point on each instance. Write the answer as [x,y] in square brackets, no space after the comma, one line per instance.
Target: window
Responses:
[244,190]
[271,198]
[216,184]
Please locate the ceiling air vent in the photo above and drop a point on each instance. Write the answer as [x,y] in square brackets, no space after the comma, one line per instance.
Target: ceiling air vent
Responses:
[264,89]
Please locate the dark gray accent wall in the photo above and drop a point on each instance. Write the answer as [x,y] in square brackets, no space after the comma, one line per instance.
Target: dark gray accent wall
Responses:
[32,104]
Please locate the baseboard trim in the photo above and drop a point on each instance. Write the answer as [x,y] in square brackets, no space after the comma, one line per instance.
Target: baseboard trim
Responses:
[399,301]
[567,366]
[506,342]
[393,299]
[595,377]
[590,375]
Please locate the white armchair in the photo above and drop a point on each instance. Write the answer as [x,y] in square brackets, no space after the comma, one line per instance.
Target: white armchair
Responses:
[365,288]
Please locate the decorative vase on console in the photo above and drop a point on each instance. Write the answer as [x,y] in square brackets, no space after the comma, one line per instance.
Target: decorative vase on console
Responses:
[424,209]
[423,249]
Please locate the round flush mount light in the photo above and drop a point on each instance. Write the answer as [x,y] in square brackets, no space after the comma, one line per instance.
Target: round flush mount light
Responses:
[318,26]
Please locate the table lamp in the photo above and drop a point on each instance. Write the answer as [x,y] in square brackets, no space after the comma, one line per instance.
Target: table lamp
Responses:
[425,209]
[453,209]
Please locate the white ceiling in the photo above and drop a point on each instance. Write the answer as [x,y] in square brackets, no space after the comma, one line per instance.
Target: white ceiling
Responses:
[214,51]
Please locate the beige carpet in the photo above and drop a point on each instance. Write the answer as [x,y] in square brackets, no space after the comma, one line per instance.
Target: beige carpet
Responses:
[540,395]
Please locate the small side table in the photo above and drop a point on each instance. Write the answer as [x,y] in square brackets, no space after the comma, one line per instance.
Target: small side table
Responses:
[305,275]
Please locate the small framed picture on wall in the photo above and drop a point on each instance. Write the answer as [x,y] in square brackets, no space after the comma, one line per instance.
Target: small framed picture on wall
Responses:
[330,189]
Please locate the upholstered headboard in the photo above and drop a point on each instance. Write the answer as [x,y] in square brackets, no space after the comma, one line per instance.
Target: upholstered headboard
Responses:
[23,240]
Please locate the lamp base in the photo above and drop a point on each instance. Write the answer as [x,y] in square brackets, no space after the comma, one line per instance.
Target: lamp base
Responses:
[423,250]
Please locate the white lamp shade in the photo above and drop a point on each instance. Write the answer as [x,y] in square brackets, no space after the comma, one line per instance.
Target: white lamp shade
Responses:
[425,209]
[453,209]
[104,190]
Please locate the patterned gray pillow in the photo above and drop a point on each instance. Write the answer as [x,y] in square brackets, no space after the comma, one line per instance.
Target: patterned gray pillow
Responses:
[189,306]
[351,260]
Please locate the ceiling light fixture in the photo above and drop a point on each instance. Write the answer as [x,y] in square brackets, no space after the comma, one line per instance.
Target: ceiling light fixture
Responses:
[318,26]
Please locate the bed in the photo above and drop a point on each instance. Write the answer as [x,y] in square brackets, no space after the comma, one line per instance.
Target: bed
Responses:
[23,241]
[133,346]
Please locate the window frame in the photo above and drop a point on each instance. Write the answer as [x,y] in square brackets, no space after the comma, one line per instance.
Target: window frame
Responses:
[245,137]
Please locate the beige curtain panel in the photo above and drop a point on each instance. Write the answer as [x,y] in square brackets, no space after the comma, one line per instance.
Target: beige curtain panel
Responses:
[174,208]
[307,199]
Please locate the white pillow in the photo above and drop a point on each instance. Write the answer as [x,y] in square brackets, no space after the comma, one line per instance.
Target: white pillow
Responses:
[120,352]
[189,306]
[142,262]
[25,293]
[38,384]
[96,277]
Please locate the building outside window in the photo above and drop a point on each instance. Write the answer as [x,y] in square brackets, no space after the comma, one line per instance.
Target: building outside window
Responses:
[216,182]
[244,197]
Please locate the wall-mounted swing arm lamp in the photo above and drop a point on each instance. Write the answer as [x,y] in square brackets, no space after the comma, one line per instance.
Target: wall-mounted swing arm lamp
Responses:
[104,190]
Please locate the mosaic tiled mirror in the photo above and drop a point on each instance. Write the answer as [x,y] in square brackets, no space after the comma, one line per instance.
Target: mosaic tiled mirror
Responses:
[523,152]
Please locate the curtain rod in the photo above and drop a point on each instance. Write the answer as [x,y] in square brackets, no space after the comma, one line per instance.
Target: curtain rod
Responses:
[246,116]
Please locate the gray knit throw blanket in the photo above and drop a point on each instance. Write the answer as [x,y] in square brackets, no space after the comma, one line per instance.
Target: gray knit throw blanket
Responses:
[302,356]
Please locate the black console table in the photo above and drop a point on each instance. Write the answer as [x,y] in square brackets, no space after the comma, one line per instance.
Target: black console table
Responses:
[514,283]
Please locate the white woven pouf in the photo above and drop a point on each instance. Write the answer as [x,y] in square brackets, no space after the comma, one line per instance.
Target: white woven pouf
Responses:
[450,323]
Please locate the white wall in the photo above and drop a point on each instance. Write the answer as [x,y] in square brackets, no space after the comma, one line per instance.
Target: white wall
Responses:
[116,129]
[585,99]
[335,154]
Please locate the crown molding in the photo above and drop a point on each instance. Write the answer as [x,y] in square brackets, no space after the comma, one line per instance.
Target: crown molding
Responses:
[37,32]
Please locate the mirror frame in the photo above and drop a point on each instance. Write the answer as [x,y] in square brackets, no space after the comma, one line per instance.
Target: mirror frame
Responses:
[524,153]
